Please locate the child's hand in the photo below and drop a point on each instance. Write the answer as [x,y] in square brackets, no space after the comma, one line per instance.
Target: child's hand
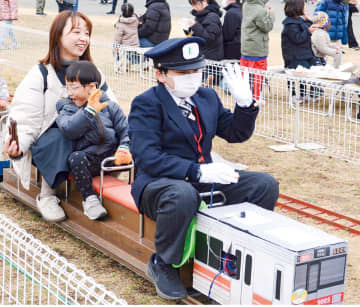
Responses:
[312,28]
[122,156]
[94,101]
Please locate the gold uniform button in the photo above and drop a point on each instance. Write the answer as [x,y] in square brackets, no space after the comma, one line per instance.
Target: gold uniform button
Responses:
[199,160]
[186,178]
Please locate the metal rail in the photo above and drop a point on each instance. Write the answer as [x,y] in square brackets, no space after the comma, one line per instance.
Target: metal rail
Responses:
[320,214]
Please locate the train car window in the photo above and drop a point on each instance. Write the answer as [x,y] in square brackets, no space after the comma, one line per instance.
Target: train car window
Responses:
[332,271]
[215,252]
[201,250]
[313,277]
[248,269]
[278,285]
[238,264]
[300,276]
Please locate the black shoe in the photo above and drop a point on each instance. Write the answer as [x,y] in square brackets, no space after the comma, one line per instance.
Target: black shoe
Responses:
[110,13]
[358,115]
[166,279]
[40,14]
[355,48]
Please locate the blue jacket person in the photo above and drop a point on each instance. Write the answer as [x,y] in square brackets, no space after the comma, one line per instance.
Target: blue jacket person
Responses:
[171,127]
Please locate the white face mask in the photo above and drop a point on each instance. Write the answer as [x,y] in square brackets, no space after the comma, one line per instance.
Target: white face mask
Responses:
[224,3]
[186,85]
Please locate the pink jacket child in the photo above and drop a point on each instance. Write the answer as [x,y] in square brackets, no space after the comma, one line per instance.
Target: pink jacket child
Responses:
[8,13]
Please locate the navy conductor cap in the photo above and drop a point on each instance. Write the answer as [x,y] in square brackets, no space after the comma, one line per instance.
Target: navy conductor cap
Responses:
[178,53]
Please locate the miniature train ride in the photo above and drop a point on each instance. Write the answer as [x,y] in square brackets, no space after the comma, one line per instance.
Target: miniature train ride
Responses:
[243,253]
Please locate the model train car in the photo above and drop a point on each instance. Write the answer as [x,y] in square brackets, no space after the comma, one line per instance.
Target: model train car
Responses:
[248,255]
[244,254]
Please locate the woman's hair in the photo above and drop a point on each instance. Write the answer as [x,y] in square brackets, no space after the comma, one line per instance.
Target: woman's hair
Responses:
[83,71]
[56,30]
[127,10]
[294,8]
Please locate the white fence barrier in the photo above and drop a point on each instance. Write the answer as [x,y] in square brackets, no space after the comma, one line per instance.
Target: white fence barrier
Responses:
[31,273]
[327,118]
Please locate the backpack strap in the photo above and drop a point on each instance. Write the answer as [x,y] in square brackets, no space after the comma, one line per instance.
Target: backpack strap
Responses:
[44,73]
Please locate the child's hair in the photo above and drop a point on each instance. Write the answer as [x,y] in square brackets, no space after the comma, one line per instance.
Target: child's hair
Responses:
[321,19]
[294,8]
[83,71]
[127,10]
[208,1]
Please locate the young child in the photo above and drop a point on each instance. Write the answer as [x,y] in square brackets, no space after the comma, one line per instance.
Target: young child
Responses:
[126,28]
[321,43]
[126,33]
[98,128]
[296,42]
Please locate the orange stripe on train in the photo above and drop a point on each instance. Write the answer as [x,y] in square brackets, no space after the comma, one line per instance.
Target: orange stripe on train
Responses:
[209,275]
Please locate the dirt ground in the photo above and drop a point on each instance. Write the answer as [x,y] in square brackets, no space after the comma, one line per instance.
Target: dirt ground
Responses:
[318,179]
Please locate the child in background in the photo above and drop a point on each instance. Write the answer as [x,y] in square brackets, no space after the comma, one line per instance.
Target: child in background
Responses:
[98,128]
[8,13]
[296,42]
[126,33]
[126,28]
[321,43]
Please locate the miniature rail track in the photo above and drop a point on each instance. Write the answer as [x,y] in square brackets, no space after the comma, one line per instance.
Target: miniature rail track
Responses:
[320,214]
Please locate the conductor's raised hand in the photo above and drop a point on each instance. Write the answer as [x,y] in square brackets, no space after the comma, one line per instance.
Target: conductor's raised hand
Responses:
[238,83]
[122,156]
[94,101]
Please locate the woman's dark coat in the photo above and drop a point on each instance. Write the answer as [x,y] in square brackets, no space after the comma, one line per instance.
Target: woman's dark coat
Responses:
[155,24]
[296,43]
[232,31]
[208,26]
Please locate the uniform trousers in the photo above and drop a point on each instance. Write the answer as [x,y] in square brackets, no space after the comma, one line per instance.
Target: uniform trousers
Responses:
[173,203]
[85,166]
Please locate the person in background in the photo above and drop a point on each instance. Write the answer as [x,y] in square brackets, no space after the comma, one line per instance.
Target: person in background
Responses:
[207,24]
[66,5]
[8,13]
[40,6]
[171,128]
[113,7]
[232,29]
[258,21]
[338,12]
[34,109]
[296,41]
[126,28]
[97,127]
[321,43]
[126,33]
[353,8]
[155,24]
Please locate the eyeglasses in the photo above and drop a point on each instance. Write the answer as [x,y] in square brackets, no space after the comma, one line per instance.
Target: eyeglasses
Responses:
[72,88]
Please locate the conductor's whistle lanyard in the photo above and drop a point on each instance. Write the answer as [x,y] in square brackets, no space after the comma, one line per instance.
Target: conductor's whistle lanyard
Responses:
[198,139]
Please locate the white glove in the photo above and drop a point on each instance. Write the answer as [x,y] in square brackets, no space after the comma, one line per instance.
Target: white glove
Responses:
[219,173]
[238,84]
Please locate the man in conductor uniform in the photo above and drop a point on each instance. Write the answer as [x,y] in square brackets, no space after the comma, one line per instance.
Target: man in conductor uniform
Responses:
[171,127]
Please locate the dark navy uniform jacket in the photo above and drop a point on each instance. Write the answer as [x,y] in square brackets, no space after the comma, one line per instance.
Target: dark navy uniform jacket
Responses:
[162,141]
